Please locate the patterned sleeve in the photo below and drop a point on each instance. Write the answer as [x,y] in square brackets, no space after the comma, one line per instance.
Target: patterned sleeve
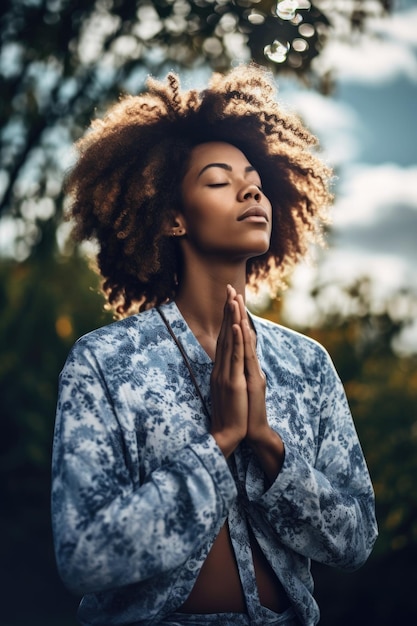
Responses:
[323,510]
[109,530]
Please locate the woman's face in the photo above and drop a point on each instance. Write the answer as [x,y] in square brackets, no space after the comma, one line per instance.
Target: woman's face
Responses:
[225,213]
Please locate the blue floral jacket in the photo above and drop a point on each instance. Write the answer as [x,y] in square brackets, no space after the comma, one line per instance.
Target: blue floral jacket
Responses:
[141,489]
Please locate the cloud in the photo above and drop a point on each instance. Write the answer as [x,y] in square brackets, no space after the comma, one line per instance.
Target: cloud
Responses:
[374,234]
[340,268]
[335,123]
[400,26]
[388,54]
[368,192]
[375,226]
[394,233]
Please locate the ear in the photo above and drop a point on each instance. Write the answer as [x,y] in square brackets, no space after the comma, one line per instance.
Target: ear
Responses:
[175,226]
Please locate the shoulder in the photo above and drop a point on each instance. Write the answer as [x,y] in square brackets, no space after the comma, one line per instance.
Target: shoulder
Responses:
[292,347]
[271,331]
[122,336]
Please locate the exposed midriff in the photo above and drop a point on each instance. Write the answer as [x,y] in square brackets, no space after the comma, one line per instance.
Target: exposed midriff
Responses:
[218,588]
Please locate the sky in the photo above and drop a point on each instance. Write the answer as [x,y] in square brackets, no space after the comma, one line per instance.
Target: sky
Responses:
[368,132]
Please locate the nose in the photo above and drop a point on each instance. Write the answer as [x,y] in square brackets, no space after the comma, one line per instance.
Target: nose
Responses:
[250,191]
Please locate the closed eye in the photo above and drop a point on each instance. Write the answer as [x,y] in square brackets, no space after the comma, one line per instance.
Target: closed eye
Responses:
[217,184]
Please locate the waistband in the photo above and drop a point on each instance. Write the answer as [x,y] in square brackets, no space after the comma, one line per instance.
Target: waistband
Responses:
[266,618]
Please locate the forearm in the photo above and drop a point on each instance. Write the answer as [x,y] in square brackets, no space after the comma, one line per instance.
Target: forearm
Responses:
[227,441]
[269,449]
[315,516]
[154,525]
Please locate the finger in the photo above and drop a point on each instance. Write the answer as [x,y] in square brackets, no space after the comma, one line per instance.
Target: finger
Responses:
[237,315]
[242,308]
[226,312]
[225,339]
[233,350]
[237,361]
[247,337]
[246,324]
[252,366]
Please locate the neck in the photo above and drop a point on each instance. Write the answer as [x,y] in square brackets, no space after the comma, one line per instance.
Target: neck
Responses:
[202,294]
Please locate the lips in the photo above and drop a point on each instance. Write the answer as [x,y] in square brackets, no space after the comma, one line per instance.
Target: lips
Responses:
[254,213]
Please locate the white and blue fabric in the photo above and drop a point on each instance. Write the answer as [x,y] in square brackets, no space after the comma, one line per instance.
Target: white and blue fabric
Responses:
[141,489]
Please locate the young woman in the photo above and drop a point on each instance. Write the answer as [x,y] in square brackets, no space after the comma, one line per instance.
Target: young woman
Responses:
[202,456]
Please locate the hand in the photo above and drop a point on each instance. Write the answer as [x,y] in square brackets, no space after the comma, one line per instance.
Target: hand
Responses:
[238,387]
[255,379]
[228,381]
[266,444]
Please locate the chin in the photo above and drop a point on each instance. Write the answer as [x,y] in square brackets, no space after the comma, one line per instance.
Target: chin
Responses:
[261,248]
[253,254]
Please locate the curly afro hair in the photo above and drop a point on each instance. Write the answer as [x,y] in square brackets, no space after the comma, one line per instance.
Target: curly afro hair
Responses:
[126,184]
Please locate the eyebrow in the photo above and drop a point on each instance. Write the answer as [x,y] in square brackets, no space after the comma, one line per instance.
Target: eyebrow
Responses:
[225,166]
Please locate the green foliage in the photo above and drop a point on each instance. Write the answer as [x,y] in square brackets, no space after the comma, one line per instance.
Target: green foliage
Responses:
[46,304]
[382,391]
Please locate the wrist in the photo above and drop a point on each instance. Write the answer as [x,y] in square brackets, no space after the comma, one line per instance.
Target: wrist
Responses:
[269,448]
[227,441]
[264,437]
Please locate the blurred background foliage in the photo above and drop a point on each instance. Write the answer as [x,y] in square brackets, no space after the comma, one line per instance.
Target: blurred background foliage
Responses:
[61,62]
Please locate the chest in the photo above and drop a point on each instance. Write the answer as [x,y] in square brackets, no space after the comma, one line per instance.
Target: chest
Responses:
[159,409]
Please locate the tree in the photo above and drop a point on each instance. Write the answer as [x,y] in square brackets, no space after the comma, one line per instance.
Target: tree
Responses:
[46,303]
[61,59]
